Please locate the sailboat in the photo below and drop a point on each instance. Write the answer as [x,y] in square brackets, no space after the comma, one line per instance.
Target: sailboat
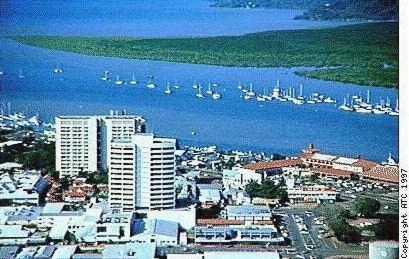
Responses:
[247,97]
[21,74]
[240,86]
[387,107]
[118,81]
[345,106]
[311,100]
[328,99]
[396,111]
[367,103]
[377,110]
[277,90]
[168,90]
[133,80]
[199,93]
[362,106]
[176,85]
[260,98]
[300,98]
[363,110]
[250,92]
[300,95]
[209,90]
[266,96]
[58,70]
[105,77]
[216,95]
[290,94]
[151,84]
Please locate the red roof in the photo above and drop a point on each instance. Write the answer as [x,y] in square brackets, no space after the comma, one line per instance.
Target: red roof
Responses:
[383,173]
[275,164]
[365,164]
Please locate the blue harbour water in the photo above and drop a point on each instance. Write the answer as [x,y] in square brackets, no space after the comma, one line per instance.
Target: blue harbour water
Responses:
[230,123]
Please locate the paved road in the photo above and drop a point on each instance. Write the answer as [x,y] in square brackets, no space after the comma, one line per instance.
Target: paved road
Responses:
[323,246]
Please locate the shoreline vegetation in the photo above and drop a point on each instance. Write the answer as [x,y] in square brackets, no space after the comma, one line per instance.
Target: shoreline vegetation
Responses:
[347,10]
[363,54]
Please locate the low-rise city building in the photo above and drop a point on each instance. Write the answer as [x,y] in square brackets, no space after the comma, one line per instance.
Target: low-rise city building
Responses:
[274,167]
[248,213]
[312,194]
[239,177]
[209,194]
[186,217]
[157,231]
[237,234]
[382,173]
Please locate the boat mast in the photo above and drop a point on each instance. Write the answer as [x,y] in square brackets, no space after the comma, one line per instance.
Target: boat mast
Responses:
[368,97]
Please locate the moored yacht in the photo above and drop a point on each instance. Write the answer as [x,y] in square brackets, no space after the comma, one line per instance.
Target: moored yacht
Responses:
[345,106]
[277,91]
[266,96]
[21,74]
[247,97]
[58,70]
[244,89]
[119,81]
[260,98]
[317,97]
[133,80]
[105,77]
[365,104]
[250,92]
[209,89]
[216,96]
[176,85]
[298,101]
[199,93]
[363,110]
[168,90]
[396,111]
[151,84]
[378,111]
[329,100]
[301,93]
[195,85]
[311,100]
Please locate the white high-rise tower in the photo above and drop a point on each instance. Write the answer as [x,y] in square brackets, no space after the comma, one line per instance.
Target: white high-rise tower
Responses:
[142,173]
[83,142]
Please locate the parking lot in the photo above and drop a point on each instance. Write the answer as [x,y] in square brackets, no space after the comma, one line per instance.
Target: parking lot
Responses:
[311,237]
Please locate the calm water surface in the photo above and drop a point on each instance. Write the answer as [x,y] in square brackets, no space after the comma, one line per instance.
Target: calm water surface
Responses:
[230,123]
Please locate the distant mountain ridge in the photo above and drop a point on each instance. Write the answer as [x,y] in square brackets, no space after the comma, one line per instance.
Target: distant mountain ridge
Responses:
[326,9]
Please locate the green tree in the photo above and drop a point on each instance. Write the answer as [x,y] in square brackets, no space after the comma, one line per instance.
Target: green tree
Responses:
[314,178]
[42,156]
[367,207]
[230,163]
[343,231]
[54,174]
[252,189]
[268,189]
[344,213]
[65,182]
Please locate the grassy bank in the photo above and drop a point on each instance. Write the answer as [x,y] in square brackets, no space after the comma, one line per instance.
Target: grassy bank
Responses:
[365,54]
